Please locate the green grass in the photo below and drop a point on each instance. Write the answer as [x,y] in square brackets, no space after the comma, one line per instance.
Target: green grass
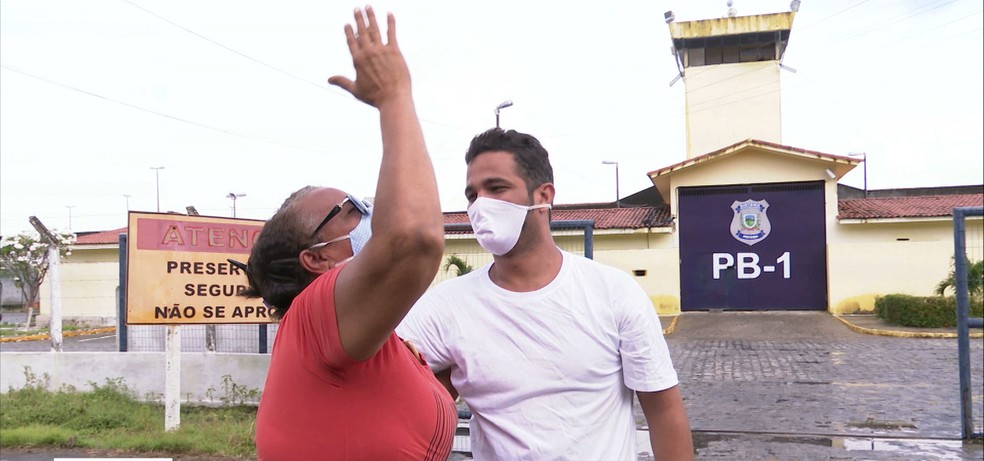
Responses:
[110,417]
[8,329]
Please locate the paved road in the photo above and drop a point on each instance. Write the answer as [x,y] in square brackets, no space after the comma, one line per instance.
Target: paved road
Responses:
[104,342]
[801,385]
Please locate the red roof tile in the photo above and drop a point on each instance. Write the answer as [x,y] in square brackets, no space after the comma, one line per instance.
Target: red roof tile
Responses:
[101,238]
[647,216]
[604,218]
[905,207]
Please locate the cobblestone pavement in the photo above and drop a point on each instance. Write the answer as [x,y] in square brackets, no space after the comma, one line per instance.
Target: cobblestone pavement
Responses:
[803,386]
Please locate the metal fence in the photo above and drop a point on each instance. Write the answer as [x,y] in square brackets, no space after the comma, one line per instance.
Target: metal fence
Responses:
[968,249]
[197,338]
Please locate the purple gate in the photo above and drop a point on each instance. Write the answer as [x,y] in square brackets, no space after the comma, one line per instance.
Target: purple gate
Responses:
[753,247]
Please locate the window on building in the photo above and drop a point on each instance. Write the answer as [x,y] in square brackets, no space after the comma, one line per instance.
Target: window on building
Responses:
[725,49]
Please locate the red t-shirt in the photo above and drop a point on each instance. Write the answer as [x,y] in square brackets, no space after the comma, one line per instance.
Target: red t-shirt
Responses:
[320,404]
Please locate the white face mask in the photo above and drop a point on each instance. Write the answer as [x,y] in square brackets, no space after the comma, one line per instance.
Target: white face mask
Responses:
[358,237]
[497,224]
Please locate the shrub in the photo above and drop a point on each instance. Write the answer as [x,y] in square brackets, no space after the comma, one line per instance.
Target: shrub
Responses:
[923,311]
[459,264]
[105,407]
[108,417]
[975,279]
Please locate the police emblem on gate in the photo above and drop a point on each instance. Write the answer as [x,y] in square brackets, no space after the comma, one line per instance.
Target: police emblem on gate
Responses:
[750,224]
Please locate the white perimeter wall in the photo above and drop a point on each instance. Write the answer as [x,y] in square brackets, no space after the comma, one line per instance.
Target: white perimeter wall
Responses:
[141,372]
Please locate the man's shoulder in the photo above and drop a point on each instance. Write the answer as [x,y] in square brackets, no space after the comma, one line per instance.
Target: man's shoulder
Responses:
[444,298]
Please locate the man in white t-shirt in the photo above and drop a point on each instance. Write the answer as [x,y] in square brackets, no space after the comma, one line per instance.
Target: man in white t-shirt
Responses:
[545,347]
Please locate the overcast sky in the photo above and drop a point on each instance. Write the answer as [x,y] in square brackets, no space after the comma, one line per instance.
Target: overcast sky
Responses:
[231,96]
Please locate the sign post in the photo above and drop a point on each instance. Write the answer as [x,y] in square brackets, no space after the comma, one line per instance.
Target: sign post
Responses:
[178,273]
[172,378]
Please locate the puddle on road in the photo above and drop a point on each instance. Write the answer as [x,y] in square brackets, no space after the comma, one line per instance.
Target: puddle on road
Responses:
[930,448]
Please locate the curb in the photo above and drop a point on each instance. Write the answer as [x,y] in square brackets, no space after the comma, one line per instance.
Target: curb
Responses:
[904,334]
[667,330]
[44,336]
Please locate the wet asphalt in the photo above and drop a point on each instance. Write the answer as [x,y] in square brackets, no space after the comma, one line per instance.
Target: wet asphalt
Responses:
[803,386]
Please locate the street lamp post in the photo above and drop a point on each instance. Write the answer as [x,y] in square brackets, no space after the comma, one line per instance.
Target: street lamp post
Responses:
[501,106]
[69,216]
[864,160]
[618,203]
[234,196]
[127,201]
[157,172]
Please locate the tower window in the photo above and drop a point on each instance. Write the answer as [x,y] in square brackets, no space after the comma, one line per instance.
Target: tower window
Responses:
[724,49]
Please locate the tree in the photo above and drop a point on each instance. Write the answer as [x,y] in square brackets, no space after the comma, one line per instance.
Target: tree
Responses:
[975,280]
[459,264]
[24,257]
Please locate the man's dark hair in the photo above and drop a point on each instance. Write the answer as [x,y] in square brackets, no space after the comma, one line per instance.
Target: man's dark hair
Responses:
[274,270]
[531,158]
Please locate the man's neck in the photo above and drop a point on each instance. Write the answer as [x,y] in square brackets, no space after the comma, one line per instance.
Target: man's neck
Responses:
[531,270]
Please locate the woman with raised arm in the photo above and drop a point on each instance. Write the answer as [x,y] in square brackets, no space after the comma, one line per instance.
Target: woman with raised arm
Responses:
[342,273]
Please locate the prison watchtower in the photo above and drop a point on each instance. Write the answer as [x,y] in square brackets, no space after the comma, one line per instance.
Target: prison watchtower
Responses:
[730,67]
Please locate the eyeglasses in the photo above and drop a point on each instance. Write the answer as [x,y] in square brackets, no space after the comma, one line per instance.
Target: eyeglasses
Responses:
[363,208]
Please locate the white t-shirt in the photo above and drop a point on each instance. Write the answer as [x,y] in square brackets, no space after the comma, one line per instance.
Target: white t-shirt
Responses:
[548,374]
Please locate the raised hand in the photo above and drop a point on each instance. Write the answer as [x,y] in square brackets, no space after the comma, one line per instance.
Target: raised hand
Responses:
[407,225]
[380,71]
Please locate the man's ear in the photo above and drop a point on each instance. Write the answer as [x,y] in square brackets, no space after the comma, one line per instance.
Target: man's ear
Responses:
[544,193]
[316,261]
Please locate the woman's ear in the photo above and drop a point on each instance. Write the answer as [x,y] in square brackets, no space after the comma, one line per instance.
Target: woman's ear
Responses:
[316,261]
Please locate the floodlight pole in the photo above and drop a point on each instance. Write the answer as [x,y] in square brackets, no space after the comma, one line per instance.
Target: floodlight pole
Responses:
[157,171]
[502,105]
[864,160]
[618,199]
[234,196]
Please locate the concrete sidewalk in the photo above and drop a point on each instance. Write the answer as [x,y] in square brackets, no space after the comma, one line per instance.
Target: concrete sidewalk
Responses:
[44,336]
[872,325]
